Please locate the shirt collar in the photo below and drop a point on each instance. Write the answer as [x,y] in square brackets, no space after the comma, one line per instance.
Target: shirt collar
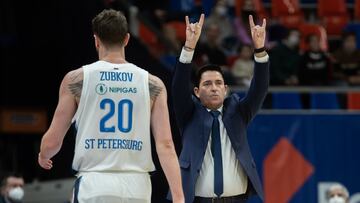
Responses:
[220,109]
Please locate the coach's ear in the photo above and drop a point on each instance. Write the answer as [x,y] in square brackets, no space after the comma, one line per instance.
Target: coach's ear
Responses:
[196,92]
[126,40]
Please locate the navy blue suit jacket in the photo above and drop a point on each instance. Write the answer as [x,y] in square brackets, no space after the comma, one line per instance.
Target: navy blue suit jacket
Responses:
[194,122]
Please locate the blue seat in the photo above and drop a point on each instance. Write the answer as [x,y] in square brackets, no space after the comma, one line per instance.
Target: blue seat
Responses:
[324,101]
[286,100]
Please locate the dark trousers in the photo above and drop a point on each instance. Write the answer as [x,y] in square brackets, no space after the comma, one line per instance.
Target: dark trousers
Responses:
[233,199]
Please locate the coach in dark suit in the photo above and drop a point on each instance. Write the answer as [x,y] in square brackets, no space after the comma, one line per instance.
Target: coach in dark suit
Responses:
[216,162]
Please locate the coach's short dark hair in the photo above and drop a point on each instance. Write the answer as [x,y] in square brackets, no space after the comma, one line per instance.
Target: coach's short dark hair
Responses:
[111,27]
[203,69]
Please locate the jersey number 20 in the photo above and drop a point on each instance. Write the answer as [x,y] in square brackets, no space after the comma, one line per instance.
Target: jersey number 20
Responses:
[120,114]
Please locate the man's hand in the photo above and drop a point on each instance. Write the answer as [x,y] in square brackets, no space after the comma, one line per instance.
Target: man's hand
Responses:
[193,31]
[44,162]
[258,33]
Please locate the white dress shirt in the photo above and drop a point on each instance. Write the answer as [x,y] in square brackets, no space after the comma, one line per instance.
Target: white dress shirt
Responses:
[235,179]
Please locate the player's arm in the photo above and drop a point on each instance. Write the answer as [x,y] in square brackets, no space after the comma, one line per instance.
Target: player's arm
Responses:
[165,148]
[69,94]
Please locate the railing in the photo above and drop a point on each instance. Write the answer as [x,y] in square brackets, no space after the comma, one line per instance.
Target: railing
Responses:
[305,99]
[303,89]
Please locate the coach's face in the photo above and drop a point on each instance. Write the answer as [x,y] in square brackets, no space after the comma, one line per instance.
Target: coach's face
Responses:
[211,90]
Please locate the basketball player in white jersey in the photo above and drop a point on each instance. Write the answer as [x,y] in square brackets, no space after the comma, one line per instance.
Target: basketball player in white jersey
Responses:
[114,104]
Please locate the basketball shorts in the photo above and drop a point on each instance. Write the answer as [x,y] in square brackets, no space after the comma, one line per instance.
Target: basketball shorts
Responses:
[96,187]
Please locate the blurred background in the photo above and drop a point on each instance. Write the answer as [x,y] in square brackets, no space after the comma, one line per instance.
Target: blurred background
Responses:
[305,138]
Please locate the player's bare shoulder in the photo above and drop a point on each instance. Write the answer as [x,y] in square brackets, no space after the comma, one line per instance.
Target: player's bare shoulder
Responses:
[73,82]
[156,86]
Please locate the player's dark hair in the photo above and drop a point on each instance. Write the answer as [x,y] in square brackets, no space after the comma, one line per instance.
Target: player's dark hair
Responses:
[111,27]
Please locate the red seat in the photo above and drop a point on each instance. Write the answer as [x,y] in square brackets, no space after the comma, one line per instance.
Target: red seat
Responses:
[353,100]
[151,41]
[146,35]
[357,10]
[334,15]
[288,12]
[333,7]
[180,29]
[307,29]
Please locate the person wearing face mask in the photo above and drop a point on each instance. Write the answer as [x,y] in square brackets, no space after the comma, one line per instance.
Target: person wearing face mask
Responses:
[337,194]
[285,60]
[12,189]
[219,16]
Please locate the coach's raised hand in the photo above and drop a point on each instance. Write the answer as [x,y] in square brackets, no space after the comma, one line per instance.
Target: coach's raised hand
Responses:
[258,33]
[193,31]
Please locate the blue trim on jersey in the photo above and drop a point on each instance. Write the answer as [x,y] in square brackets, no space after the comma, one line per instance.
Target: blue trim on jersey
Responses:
[76,189]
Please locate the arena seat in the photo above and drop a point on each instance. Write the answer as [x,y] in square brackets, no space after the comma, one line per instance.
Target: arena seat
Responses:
[288,12]
[286,100]
[334,16]
[353,100]
[324,101]
[357,10]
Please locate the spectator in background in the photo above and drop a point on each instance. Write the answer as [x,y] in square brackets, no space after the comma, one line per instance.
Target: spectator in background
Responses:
[219,16]
[155,11]
[242,29]
[337,194]
[12,188]
[285,60]
[210,50]
[243,67]
[347,62]
[315,66]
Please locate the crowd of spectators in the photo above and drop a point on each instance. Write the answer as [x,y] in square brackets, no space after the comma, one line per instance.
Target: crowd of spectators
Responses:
[226,41]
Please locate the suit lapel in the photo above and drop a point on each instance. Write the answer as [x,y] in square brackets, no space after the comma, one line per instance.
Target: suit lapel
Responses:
[229,111]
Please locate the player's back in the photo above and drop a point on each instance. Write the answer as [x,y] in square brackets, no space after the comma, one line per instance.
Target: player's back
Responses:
[113,119]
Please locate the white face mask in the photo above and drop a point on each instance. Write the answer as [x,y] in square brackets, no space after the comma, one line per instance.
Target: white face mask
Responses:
[337,199]
[293,40]
[221,10]
[16,194]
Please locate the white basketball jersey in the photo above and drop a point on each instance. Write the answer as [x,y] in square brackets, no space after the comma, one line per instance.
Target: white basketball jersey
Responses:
[113,119]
